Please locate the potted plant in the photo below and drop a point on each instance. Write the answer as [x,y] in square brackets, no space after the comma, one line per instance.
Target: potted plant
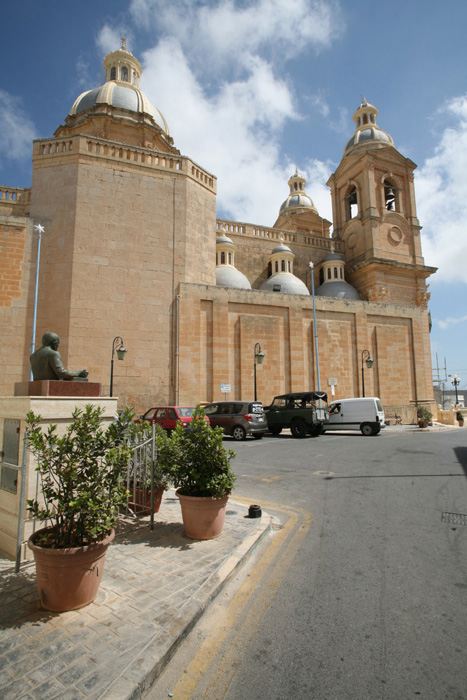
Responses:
[424,416]
[139,480]
[202,474]
[460,418]
[82,488]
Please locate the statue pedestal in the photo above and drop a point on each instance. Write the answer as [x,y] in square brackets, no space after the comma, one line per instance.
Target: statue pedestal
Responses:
[58,387]
[16,524]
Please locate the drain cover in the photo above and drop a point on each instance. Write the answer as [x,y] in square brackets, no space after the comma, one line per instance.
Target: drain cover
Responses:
[454,518]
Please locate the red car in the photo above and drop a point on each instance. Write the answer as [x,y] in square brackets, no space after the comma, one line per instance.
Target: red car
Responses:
[168,416]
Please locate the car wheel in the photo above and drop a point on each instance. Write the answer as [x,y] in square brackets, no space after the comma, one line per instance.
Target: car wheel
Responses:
[275,430]
[238,433]
[258,437]
[366,429]
[299,428]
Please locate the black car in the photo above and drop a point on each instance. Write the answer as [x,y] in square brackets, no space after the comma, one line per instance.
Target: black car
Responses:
[238,418]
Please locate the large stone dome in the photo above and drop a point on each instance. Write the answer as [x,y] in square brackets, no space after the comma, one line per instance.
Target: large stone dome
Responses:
[285,283]
[120,91]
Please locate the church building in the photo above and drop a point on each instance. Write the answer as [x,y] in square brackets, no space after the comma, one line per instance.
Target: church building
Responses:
[132,249]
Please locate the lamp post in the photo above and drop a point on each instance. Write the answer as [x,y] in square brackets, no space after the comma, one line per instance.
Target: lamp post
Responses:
[121,352]
[455,381]
[368,360]
[259,357]
[315,329]
[40,230]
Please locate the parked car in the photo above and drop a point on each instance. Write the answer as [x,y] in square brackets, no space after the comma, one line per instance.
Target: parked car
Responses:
[364,414]
[238,418]
[168,416]
[299,411]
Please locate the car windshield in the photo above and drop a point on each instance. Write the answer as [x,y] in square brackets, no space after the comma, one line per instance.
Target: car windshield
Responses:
[185,411]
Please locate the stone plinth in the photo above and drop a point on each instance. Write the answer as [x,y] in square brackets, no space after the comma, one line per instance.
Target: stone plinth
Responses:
[13,409]
[51,387]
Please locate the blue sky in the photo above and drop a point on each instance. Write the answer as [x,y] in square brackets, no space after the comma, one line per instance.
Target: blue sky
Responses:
[252,89]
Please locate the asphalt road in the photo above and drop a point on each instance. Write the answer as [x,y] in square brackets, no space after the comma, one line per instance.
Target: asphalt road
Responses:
[362,593]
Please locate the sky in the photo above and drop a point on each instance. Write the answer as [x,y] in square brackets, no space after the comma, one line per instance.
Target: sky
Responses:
[253,89]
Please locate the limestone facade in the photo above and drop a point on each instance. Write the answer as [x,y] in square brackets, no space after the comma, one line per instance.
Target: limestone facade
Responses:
[129,250]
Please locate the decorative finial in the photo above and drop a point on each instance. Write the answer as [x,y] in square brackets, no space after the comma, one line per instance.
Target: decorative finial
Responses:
[123,43]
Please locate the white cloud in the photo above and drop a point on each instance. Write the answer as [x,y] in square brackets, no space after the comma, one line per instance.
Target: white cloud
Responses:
[231,104]
[441,189]
[17,130]
[447,322]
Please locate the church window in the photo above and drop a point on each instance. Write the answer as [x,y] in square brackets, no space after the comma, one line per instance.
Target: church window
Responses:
[277,266]
[282,265]
[321,276]
[230,258]
[222,258]
[329,273]
[113,73]
[124,74]
[289,265]
[391,196]
[336,274]
[341,274]
[351,201]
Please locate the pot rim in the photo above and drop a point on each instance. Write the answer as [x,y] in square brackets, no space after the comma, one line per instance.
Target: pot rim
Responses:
[201,498]
[68,550]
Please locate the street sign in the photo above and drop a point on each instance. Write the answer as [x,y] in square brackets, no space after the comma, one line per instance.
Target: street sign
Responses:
[332,381]
[226,388]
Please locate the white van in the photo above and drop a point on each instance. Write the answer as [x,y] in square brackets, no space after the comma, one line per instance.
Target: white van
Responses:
[365,414]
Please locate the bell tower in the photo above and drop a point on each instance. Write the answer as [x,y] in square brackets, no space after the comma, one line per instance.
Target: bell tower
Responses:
[374,213]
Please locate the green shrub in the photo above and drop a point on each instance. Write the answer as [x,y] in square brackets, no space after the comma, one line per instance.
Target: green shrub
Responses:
[201,463]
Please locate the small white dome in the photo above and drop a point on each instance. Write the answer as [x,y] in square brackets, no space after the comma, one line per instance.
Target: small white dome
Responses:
[286,283]
[228,276]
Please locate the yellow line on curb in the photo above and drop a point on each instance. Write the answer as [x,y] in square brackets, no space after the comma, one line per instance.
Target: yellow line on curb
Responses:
[209,649]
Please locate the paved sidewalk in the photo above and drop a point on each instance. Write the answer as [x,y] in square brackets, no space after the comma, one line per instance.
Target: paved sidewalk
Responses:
[156,585]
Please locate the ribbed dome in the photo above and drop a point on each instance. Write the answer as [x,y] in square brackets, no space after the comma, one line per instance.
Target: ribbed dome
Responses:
[281,248]
[367,132]
[297,198]
[338,289]
[286,283]
[120,95]
[228,276]
[121,89]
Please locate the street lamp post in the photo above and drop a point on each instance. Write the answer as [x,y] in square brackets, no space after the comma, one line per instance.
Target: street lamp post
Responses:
[368,360]
[40,230]
[315,329]
[117,345]
[259,357]
[455,381]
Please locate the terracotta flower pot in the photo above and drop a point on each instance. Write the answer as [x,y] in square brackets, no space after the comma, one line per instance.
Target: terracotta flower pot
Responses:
[69,578]
[140,500]
[203,517]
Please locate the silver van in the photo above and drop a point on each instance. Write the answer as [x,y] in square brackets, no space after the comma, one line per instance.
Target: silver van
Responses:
[366,415]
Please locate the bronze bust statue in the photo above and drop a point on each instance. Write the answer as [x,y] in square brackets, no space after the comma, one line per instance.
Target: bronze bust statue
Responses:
[46,362]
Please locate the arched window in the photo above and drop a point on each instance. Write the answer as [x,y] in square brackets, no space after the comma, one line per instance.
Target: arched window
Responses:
[391,196]
[289,266]
[124,74]
[113,73]
[321,276]
[329,273]
[230,258]
[223,258]
[351,203]
[282,265]
[336,274]
[277,266]
[341,274]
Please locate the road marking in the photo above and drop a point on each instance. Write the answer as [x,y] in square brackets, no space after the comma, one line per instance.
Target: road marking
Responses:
[292,535]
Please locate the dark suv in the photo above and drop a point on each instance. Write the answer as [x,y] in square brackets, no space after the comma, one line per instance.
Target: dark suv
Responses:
[238,418]
[297,411]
